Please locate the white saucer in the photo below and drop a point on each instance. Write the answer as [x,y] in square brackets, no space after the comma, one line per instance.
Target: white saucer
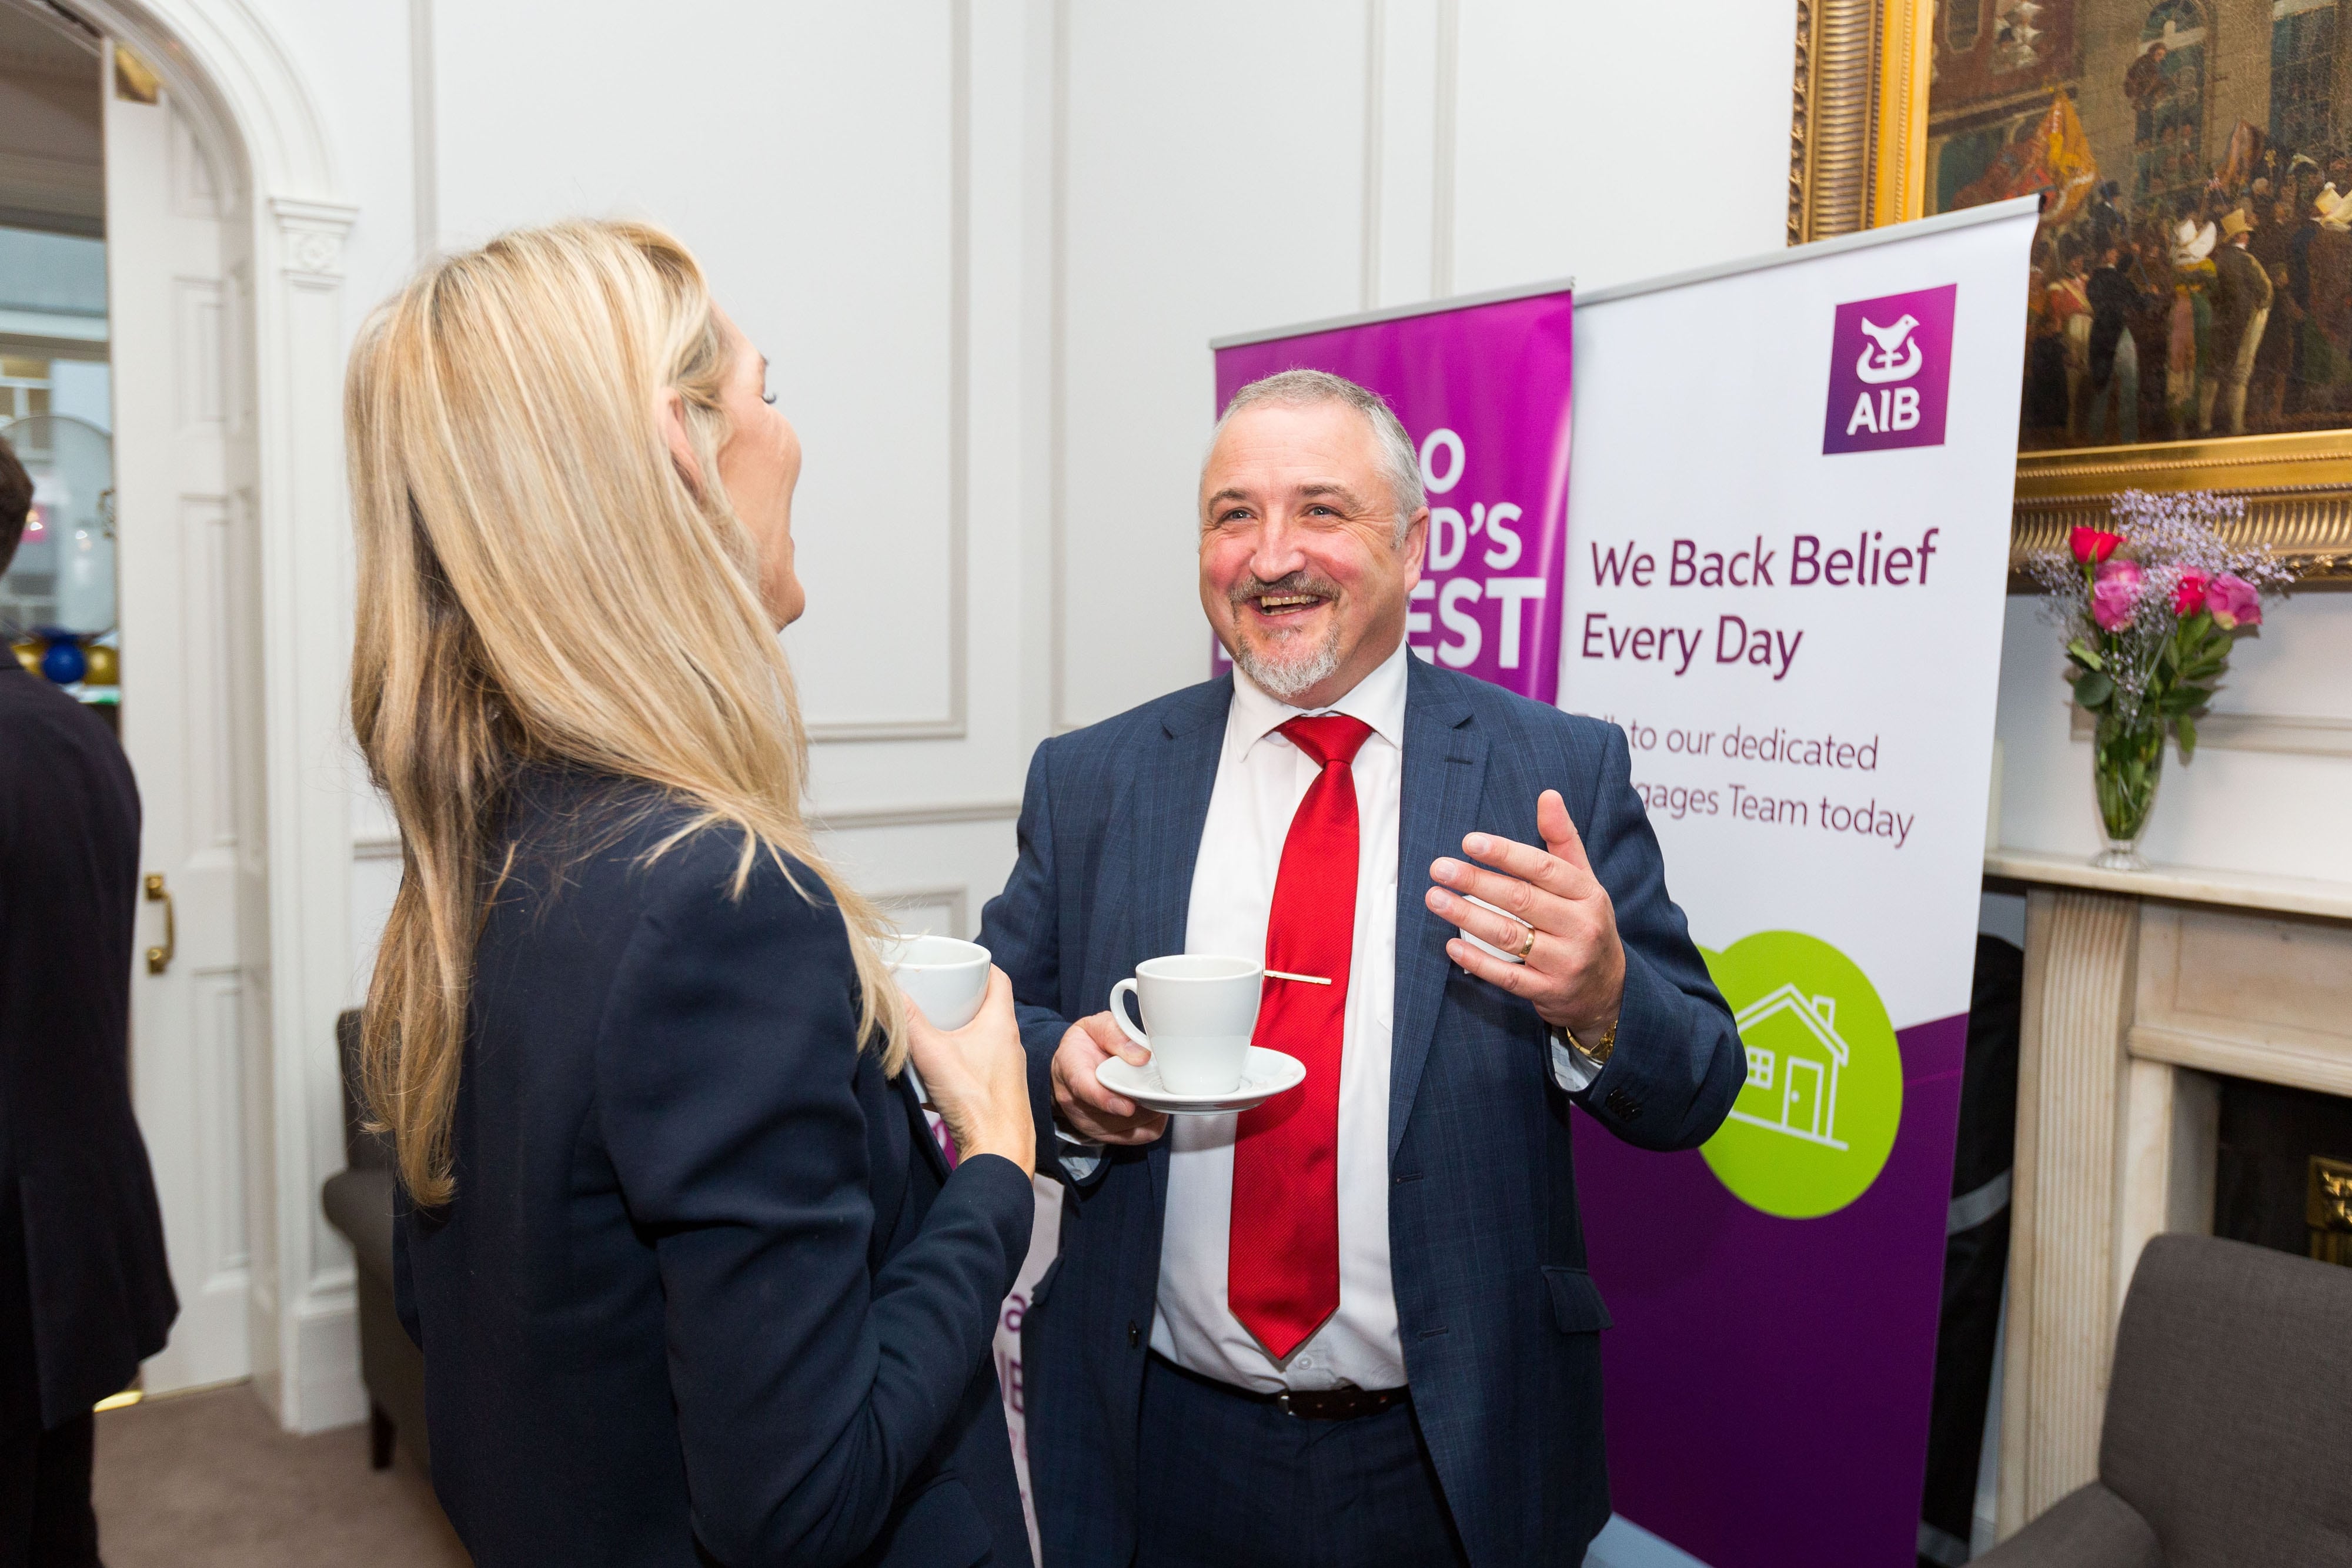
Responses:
[1265,1074]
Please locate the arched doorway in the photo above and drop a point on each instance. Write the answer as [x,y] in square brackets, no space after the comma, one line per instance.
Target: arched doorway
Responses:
[227,298]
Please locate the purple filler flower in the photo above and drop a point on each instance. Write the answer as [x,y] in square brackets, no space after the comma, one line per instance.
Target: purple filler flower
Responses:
[2116,595]
[2233,602]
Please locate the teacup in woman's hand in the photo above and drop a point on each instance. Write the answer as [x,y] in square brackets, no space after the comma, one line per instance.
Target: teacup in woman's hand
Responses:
[979,1075]
[945,978]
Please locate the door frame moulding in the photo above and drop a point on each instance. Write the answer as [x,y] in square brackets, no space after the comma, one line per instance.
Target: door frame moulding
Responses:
[238,87]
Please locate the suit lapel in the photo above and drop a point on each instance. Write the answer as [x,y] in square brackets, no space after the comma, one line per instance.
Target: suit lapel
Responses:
[1445,775]
[1172,806]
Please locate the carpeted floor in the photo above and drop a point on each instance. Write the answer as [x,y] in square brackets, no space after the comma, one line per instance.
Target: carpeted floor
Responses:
[209,1480]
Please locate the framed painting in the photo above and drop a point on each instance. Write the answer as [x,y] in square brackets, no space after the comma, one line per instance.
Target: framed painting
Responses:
[2190,307]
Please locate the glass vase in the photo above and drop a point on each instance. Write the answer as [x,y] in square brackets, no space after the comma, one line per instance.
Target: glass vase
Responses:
[2127,765]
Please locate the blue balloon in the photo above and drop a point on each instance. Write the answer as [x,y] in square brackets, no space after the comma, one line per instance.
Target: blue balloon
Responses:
[65,662]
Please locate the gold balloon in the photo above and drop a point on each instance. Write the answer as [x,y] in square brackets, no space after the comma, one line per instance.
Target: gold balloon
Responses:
[28,653]
[105,666]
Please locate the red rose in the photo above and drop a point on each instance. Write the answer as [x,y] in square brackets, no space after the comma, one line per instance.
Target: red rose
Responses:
[2091,545]
[2188,594]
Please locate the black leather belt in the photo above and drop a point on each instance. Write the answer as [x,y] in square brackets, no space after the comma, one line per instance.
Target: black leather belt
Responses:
[1305,1405]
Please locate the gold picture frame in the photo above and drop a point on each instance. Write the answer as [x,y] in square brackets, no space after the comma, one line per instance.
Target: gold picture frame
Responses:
[1858,128]
[1857,158]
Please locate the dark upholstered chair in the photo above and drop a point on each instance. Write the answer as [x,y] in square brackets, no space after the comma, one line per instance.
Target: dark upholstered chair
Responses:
[2228,1441]
[358,1202]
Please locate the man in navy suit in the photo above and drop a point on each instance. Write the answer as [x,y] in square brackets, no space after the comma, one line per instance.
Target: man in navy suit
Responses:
[85,1286]
[1354,1325]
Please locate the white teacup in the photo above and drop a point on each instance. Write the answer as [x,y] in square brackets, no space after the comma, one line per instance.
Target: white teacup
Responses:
[1201,1009]
[947,978]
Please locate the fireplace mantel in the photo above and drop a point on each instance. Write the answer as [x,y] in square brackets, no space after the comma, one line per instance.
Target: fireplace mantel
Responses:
[2141,989]
[2179,884]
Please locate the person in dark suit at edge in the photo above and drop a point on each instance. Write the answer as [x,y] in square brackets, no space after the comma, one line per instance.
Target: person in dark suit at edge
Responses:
[85,1289]
[1353,1326]
[693,1281]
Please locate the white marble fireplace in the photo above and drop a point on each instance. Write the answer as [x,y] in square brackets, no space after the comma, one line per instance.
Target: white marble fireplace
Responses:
[2142,991]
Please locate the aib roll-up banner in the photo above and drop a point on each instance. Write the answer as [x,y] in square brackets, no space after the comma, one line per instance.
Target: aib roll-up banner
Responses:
[1779,568]
[1482,390]
[1788,546]
[1044,1240]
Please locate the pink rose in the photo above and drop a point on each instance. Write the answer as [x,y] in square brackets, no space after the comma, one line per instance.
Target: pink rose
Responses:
[2233,602]
[2115,594]
[2189,593]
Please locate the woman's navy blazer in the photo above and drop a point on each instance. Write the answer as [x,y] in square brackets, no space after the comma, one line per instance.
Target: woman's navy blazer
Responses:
[707,1292]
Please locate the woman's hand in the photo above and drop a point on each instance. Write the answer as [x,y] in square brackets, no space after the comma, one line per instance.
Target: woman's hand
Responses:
[978,1077]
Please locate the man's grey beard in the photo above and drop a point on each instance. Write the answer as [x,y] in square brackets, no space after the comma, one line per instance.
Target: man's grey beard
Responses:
[1287,678]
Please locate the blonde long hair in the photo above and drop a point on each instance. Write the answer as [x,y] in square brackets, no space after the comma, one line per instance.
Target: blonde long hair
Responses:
[537,583]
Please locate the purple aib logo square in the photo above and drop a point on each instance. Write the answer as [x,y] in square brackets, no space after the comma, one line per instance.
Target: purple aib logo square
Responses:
[1890,367]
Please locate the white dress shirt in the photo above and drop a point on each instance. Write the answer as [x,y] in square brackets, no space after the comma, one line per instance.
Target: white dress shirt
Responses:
[1261,779]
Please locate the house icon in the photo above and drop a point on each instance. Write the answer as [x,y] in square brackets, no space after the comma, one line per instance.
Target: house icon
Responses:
[1794,1055]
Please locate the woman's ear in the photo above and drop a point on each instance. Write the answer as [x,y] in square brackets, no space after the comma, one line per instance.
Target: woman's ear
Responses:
[669,408]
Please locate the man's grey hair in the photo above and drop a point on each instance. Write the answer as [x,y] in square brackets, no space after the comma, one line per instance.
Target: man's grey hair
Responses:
[1305,389]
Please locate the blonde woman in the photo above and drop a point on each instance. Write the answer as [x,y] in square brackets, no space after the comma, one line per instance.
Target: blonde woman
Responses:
[693,1282]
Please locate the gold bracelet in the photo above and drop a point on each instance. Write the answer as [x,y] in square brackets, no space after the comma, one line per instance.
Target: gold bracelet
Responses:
[1599,1057]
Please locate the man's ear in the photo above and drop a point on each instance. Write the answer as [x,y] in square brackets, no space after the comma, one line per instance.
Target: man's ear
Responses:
[1415,546]
[669,409]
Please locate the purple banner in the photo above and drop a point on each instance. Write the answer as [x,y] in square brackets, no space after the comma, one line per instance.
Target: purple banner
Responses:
[1483,392]
[1755,1419]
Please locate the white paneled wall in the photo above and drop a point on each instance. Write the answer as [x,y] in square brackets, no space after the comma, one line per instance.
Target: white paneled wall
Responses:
[826,190]
[1209,178]
[2278,810]
[856,181]
[1617,142]
[1226,166]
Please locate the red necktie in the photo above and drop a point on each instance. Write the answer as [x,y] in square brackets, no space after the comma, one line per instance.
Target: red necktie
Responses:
[1282,1273]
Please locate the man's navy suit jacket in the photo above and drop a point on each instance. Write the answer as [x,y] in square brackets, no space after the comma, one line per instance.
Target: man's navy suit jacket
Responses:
[1499,1320]
[85,1286]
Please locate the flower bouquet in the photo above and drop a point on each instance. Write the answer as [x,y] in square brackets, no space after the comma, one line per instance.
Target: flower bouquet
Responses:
[2150,612]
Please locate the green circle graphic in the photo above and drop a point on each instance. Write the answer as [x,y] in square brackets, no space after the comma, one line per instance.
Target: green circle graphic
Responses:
[1814,1123]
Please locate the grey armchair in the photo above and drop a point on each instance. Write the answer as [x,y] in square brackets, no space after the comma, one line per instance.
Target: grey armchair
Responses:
[2228,1441]
[358,1201]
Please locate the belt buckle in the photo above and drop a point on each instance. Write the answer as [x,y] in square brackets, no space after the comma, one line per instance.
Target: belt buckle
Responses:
[1282,1403]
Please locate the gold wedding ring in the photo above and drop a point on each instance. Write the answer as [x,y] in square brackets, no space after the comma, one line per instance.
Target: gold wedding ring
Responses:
[1528,946]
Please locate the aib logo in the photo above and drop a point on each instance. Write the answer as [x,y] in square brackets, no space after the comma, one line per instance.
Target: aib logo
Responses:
[1890,367]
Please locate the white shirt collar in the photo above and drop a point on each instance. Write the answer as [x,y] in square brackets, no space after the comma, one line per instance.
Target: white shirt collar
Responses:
[1377,699]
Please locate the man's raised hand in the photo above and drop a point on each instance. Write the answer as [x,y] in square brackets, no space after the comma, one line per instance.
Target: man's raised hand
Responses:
[1573,966]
